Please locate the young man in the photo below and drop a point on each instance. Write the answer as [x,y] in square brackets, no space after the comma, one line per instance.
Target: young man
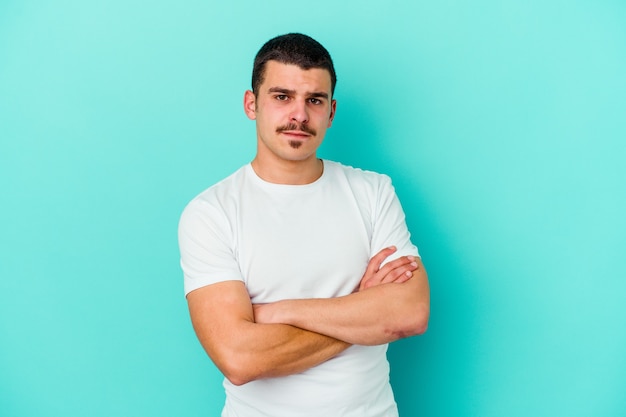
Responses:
[299,271]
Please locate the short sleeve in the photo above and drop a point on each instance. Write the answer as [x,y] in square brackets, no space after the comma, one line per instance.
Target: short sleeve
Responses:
[389,223]
[207,246]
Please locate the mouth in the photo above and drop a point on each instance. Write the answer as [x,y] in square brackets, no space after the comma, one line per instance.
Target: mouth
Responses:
[296,131]
[296,134]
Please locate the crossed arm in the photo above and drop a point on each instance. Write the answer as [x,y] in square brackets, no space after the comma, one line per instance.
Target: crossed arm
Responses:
[249,342]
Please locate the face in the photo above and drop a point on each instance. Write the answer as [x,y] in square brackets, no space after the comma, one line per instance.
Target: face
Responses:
[293,108]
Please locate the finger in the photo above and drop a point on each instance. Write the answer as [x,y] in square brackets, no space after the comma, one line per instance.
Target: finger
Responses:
[379,258]
[374,264]
[397,276]
[372,276]
[400,274]
[396,263]
[369,281]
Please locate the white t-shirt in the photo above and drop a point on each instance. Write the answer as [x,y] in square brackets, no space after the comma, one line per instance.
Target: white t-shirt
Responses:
[299,241]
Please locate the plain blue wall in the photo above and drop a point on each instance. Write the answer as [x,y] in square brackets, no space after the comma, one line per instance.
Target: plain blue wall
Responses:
[503,125]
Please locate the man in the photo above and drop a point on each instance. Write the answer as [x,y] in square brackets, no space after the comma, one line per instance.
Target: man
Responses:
[299,271]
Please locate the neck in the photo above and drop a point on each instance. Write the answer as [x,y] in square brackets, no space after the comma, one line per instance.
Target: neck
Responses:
[289,172]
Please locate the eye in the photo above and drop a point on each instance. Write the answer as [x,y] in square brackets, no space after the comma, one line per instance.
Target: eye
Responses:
[314,100]
[282,97]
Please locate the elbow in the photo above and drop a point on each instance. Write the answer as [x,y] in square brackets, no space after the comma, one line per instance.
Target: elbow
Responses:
[237,369]
[238,380]
[420,320]
[237,374]
[415,322]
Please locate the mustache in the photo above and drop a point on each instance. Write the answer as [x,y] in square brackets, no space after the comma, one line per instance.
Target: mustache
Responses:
[296,127]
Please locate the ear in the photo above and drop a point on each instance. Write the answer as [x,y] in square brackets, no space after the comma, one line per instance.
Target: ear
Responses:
[249,104]
[333,109]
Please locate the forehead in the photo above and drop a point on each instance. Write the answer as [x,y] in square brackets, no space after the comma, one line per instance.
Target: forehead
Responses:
[295,78]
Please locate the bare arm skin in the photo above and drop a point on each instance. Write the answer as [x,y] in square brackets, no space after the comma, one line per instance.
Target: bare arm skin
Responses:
[245,350]
[377,314]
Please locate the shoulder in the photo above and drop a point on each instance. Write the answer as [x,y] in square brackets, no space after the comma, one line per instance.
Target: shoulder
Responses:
[217,199]
[223,188]
[357,177]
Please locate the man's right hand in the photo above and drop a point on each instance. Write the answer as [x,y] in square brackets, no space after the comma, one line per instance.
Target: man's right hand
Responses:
[398,271]
[373,314]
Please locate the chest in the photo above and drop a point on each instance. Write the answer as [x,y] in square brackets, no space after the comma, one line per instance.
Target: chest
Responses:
[305,246]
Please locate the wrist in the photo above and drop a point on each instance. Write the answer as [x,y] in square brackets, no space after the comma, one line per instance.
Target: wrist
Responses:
[269,313]
[280,312]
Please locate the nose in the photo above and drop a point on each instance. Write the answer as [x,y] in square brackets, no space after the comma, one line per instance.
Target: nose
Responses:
[299,112]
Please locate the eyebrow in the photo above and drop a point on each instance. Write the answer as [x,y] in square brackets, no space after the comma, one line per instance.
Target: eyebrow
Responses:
[316,94]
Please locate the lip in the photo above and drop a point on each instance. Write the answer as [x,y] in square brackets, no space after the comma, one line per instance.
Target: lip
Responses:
[296,133]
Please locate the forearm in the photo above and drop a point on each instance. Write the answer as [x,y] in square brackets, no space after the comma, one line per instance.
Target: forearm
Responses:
[274,350]
[244,350]
[373,316]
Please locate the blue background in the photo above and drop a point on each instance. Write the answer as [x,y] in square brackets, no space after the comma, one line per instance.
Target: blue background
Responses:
[503,125]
